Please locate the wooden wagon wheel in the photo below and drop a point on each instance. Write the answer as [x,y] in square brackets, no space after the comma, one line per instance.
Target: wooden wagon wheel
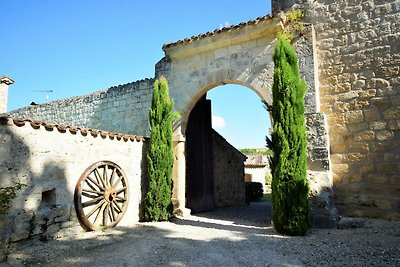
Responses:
[101,196]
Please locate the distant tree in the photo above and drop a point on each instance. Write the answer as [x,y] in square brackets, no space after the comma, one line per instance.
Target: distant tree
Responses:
[160,157]
[288,142]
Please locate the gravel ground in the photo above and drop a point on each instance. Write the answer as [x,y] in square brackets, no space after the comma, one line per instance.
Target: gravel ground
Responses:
[225,237]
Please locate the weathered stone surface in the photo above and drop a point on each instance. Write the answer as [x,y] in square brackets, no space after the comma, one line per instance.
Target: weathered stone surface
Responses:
[47,200]
[100,110]
[229,186]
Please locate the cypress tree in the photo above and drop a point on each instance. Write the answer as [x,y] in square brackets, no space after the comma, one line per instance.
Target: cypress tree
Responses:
[160,157]
[288,142]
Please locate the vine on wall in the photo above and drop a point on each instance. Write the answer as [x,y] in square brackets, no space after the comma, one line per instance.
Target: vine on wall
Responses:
[293,26]
[7,194]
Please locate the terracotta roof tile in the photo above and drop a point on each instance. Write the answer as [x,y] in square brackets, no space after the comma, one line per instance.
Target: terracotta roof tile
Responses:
[219,31]
[8,121]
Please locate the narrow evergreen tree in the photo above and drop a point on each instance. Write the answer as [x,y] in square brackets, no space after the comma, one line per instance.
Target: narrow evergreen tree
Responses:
[160,157]
[289,144]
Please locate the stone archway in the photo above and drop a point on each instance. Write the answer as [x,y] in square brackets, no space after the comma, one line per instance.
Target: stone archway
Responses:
[242,55]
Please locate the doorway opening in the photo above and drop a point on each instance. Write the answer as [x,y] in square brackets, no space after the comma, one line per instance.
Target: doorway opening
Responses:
[225,122]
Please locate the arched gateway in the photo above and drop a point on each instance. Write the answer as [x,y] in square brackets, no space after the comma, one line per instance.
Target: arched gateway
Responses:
[351,62]
[242,55]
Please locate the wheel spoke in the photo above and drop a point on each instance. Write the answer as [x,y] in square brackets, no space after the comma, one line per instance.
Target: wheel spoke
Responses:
[105,176]
[95,183]
[101,211]
[95,208]
[114,215]
[119,198]
[98,177]
[112,176]
[92,202]
[105,214]
[117,182]
[92,191]
[116,205]
[89,195]
[120,190]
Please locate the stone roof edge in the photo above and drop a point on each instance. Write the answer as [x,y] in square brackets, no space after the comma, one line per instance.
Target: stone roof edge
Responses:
[9,121]
[80,97]
[7,80]
[229,144]
[253,165]
[219,31]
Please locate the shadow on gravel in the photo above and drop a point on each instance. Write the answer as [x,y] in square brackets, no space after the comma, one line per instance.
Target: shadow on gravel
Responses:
[224,237]
[254,214]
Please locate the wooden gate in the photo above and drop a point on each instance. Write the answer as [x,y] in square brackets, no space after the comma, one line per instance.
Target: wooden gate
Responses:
[199,158]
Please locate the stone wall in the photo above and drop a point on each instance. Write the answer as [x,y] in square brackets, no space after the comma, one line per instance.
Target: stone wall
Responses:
[50,160]
[358,49]
[229,186]
[122,108]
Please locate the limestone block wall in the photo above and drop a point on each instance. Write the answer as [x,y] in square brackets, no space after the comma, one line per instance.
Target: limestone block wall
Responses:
[358,52]
[122,108]
[229,186]
[358,46]
[50,159]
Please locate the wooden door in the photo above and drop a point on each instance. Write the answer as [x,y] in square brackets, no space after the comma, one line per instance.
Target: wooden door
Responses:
[199,159]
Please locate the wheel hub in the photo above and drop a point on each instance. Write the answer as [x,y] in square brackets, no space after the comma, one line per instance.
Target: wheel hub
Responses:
[110,194]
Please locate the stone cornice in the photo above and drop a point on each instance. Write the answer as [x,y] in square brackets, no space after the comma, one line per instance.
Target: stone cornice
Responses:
[227,36]
[6,80]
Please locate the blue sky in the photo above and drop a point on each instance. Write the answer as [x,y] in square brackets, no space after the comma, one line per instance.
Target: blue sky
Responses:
[78,47]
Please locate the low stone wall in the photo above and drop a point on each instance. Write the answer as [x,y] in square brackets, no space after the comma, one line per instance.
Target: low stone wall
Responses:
[229,186]
[122,109]
[49,160]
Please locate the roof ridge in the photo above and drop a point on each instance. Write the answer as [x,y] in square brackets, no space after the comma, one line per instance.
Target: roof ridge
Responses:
[218,31]
[9,121]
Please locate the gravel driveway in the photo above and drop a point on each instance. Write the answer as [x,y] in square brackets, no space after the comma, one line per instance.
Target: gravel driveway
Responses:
[225,237]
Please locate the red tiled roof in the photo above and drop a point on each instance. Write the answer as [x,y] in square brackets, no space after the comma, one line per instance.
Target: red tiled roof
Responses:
[72,129]
[218,31]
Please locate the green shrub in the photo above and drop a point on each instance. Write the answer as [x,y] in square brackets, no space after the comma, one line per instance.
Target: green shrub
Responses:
[254,191]
[255,151]
[268,179]
[160,157]
[288,142]
[7,194]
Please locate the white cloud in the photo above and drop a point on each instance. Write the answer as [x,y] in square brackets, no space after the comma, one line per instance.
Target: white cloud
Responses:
[218,122]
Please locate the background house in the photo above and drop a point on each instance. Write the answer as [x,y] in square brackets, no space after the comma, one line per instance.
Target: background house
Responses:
[256,170]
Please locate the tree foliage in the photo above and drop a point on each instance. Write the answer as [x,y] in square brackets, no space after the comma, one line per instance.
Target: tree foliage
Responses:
[288,142]
[160,157]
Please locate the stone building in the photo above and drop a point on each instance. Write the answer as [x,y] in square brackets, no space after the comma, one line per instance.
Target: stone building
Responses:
[256,168]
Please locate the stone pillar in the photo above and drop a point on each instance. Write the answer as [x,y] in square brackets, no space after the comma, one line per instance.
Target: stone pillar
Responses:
[179,174]
[4,83]
[319,172]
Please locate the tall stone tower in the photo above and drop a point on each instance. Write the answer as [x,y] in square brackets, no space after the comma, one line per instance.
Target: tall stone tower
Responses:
[4,83]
